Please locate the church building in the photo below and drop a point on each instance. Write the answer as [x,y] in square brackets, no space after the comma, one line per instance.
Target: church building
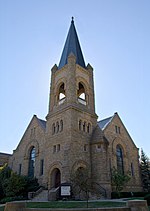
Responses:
[71,138]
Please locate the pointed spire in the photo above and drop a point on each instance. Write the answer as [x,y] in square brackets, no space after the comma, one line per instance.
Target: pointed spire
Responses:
[72,45]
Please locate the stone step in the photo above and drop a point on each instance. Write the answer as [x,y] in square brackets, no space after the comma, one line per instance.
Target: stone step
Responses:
[42,196]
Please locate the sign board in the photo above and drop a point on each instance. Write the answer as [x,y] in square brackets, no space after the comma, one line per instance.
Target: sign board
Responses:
[65,190]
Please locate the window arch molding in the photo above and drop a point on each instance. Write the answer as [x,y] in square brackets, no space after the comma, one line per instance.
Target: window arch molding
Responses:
[84,83]
[35,144]
[82,91]
[59,83]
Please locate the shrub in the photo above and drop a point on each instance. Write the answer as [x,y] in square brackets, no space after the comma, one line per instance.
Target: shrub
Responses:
[9,199]
[147,198]
[114,195]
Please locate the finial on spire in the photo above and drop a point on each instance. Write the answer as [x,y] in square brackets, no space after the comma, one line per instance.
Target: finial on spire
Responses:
[72,20]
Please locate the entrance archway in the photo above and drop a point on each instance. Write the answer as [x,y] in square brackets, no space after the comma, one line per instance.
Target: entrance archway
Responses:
[55,178]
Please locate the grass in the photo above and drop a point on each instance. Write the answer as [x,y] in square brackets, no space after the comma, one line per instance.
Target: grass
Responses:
[64,204]
[72,204]
[1,208]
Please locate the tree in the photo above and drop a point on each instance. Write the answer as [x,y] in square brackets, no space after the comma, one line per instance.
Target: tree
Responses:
[5,173]
[14,186]
[145,171]
[81,182]
[119,180]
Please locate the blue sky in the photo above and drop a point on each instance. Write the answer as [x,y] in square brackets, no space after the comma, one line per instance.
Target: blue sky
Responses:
[115,39]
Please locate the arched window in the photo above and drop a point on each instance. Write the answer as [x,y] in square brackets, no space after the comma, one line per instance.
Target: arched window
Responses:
[31,162]
[61,125]
[81,94]
[119,154]
[80,125]
[57,127]
[84,126]
[53,128]
[89,128]
[61,94]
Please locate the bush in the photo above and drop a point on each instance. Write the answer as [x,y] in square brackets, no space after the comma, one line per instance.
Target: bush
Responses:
[13,185]
[147,198]
[9,199]
[115,195]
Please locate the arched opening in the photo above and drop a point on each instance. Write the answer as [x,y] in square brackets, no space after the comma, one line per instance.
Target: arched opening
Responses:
[55,178]
[119,155]
[84,126]
[53,128]
[89,128]
[57,127]
[81,94]
[61,125]
[31,162]
[61,94]
[80,124]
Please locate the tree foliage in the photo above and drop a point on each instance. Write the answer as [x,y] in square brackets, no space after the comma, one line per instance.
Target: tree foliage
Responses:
[119,180]
[145,171]
[12,184]
[81,182]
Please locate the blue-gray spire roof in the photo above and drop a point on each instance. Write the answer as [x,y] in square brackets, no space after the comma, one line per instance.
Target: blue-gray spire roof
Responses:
[72,45]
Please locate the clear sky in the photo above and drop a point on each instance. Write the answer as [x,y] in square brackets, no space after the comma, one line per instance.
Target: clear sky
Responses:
[115,39]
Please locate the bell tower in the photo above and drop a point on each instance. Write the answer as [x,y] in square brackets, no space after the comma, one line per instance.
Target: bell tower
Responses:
[72,81]
[71,118]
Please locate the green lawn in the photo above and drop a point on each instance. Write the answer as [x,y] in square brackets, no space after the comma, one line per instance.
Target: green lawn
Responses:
[66,204]
[72,204]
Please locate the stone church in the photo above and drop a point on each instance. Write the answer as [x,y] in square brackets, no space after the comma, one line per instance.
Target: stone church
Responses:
[71,138]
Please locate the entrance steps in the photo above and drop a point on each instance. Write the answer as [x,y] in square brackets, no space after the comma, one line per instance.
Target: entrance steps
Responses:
[53,194]
[42,196]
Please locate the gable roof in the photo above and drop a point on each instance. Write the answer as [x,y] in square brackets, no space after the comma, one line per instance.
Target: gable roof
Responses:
[42,122]
[104,122]
[72,45]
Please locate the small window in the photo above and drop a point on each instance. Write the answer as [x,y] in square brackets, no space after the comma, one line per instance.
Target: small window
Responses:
[34,131]
[80,125]
[132,170]
[84,125]
[41,167]
[116,128]
[53,128]
[57,127]
[88,127]
[54,149]
[61,125]
[31,132]
[20,167]
[58,147]
[85,148]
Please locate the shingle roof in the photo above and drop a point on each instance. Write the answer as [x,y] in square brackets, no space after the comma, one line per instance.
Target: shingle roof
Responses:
[98,136]
[72,45]
[104,122]
[42,123]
